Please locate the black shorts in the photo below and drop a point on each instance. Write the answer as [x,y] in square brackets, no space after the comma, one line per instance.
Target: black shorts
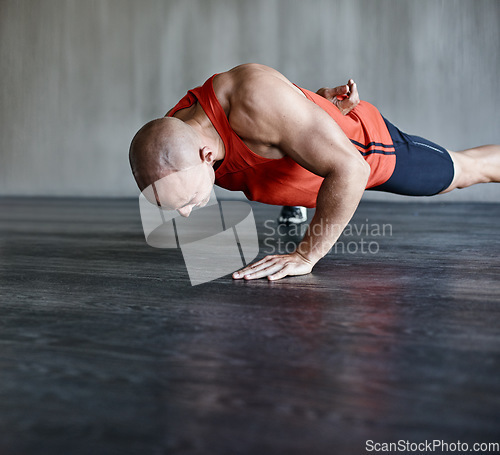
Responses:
[423,168]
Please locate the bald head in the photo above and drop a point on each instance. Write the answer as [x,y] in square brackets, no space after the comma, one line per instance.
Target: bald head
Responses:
[160,147]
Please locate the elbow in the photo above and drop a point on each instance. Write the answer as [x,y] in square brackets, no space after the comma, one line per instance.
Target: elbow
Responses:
[359,171]
[353,172]
[365,173]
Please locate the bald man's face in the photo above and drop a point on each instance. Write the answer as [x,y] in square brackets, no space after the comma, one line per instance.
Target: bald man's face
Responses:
[184,190]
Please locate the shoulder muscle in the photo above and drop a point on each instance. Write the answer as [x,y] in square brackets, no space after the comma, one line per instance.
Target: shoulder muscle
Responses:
[267,108]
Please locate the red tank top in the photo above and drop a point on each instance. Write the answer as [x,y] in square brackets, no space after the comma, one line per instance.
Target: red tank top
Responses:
[283,181]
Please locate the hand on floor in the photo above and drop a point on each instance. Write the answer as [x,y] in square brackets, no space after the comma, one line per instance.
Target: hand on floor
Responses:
[276,267]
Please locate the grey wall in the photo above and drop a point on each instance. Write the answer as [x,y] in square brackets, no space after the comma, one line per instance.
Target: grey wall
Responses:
[80,77]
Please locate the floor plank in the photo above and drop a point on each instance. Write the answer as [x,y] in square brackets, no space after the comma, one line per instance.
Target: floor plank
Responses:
[106,348]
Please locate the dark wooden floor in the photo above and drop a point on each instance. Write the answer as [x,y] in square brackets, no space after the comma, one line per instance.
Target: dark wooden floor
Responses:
[105,348]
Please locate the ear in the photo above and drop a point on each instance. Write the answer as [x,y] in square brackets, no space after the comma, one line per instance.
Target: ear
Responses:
[207,155]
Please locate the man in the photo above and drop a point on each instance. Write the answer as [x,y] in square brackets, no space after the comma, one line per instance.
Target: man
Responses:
[251,129]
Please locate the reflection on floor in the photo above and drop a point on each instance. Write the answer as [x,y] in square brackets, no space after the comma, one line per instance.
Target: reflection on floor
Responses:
[106,348]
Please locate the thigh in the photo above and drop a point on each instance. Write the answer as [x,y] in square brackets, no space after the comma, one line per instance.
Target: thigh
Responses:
[423,168]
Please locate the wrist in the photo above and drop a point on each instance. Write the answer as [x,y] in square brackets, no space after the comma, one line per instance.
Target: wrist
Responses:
[308,256]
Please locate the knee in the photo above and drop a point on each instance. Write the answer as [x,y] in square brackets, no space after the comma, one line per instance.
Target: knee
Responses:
[468,170]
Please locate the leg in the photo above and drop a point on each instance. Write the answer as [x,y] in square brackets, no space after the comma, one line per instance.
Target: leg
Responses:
[424,168]
[475,165]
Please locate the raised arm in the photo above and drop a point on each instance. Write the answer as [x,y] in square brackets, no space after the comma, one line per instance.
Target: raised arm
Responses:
[303,131]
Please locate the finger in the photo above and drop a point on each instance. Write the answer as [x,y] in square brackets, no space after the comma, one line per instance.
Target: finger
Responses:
[279,274]
[326,92]
[254,267]
[257,268]
[331,93]
[271,269]
[258,263]
[249,270]
[354,90]
[341,90]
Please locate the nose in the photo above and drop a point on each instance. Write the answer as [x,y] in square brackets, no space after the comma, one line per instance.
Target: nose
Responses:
[185,211]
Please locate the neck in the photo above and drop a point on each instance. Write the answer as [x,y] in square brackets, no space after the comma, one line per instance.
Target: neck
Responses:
[210,137]
[196,118]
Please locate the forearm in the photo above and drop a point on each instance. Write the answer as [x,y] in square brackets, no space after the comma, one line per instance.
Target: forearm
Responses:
[337,201]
